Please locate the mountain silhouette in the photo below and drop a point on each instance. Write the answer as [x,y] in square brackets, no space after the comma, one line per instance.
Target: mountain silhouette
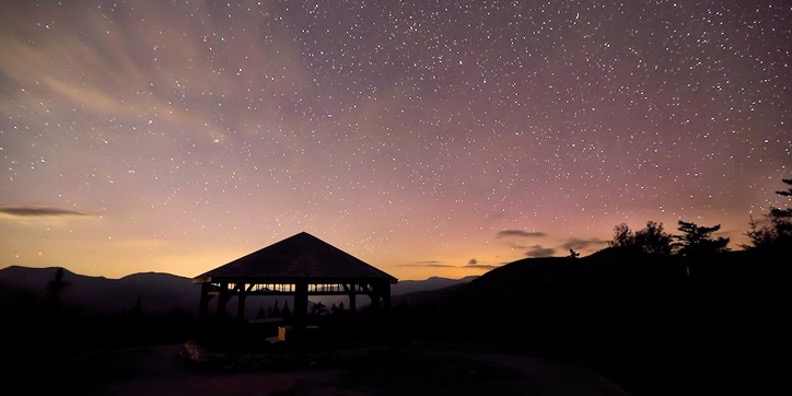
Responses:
[151,292]
[432,283]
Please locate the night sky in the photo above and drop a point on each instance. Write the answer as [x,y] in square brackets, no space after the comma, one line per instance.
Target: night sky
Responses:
[427,138]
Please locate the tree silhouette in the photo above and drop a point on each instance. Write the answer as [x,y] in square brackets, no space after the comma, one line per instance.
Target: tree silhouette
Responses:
[622,236]
[286,312]
[779,232]
[760,236]
[55,288]
[782,218]
[573,253]
[275,310]
[318,309]
[697,241]
[652,239]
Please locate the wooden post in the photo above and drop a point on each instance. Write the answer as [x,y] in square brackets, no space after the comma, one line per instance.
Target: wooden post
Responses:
[203,312]
[222,301]
[300,308]
[386,296]
[352,300]
[241,295]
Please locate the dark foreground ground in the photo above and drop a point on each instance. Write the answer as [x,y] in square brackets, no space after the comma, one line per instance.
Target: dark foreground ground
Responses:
[414,369]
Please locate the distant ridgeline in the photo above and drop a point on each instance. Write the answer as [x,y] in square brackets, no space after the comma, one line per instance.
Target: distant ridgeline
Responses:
[31,289]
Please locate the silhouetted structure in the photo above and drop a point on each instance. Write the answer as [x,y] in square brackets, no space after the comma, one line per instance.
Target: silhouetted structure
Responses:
[299,266]
[55,288]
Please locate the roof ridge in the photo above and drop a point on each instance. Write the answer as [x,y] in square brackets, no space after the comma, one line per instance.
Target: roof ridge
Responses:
[301,255]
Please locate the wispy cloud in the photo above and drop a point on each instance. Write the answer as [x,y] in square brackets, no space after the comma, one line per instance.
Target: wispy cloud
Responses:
[577,244]
[486,266]
[519,233]
[538,251]
[38,211]
[472,263]
[428,263]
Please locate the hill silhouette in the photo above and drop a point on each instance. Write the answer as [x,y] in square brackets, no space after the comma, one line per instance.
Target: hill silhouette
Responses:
[658,324]
[152,292]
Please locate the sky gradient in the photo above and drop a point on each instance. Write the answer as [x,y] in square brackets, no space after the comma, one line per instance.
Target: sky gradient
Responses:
[427,138]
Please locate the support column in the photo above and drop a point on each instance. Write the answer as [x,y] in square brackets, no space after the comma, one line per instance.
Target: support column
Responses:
[203,309]
[222,301]
[352,300]
[386,296]
[300,307]
[375,297]
[241,296]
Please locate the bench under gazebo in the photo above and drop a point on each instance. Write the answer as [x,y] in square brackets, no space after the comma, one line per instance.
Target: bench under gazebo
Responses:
[299,266]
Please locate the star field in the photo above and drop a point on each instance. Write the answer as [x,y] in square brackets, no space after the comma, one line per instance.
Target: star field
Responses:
[424,137]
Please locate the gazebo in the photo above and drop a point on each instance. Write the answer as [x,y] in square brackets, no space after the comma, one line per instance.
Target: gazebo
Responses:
[299,266]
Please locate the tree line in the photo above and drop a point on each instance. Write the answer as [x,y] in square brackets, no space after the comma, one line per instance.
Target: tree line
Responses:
[698,241]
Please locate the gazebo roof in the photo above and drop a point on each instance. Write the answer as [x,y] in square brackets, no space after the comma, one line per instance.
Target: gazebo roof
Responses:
[300,256]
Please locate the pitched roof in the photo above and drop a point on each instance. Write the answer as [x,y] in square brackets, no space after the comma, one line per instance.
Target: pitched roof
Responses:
[297,257]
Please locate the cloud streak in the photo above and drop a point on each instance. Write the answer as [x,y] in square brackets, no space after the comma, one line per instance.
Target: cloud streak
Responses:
[35,211]
[577,244]
[519,233]
[472,263]
[428,263]
[538,251]
[485,266]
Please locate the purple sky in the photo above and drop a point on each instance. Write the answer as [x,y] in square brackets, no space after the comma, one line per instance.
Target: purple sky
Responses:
[427,138]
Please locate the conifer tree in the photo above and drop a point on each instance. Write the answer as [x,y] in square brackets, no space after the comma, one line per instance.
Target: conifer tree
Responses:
[778,234]
[286,312]
[782,218]
[697,241]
